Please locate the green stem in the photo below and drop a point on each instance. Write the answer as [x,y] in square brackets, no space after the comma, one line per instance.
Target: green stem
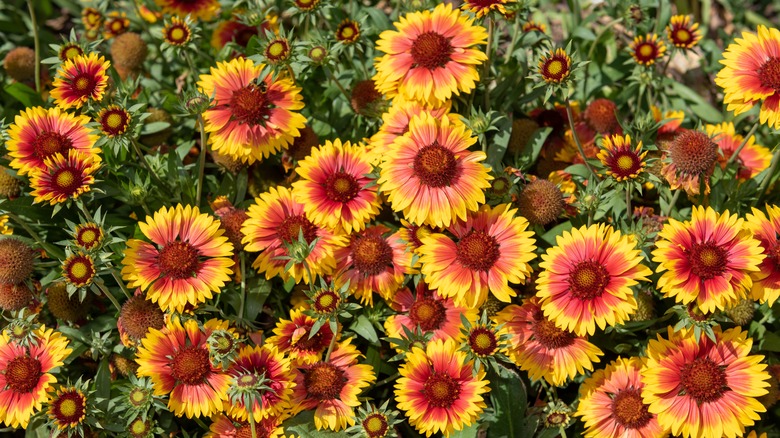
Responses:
[142,158]
[119,281]
[51,249]
[570,114]
[201,159]
[37,42]
[84,210]
[252,424]
[666,65]
[387,380]
[201,423]
[511,47]
[742,145]
[332,77]
[772,167]
[108,295]
[629,213]
[332,344]
[671,203]
[242,258]
[486,71]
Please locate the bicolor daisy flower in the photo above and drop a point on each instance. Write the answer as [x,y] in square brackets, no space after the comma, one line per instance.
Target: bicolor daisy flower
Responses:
[587,278]
[438,390]
[480,8]
[88,236]
[372,262]
[395,123]
[493,249]
[223,426]
[68,408]
[251,117]
[646,49]
[541,348]
[751,74]
[766,229]
[430,56]
[113,120]
[430,174]
[293,338]
[80,80]
[348,31]
[275,224]
[176,358]
[334,187]
[621,160]
[332,387]
[187,261]
[177,32]
[555,66]
[708,260]
[25,373]
[65,177]
[611,403]
[752,159]
[534,26]
[682,32]
[198,9]
[79,269]
[39,133]
[704,387]
[267,365]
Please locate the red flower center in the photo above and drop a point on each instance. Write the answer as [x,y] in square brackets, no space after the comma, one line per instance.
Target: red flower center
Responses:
[588,280]
[704,380]
[84,84]
[292,227]
[114,121]
[23,373]
[629,410]
[555,68]
[769,73]
[548,334]
[191,365]
[478,250]
[79,270]
[371,255]
[681,37]
[431,50]
[324,381]
[48,143]
[67,180]
[624,164]
[428,313]
[68,408]
[88,237]
[441,390]
[177,34]
[483,341]
[436,166]
[646,52]
[341,187]
[326,301]
[707,260]
[178,260]
[250,105]
[313,343]
[375,425]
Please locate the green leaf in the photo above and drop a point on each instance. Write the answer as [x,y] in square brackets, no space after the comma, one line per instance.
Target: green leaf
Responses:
[365,329]
[256,297]
[154,127]
[103,384]
[24,94]
[467,432]
[557,230]
[498,145]
[698,105]
[302,426]
[510,401]
[771,342]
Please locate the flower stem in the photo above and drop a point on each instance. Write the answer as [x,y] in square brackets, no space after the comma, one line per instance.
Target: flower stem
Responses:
[671,203]
[629,213]
[574,135]
[387,380]
[512,42]
[772,167]
[332,77]
[37,42]
[486,71]
[242,258]
[142,158]
[744,142]
[332,343]
[119,281]
[201,159]
[108,295]
[252,424]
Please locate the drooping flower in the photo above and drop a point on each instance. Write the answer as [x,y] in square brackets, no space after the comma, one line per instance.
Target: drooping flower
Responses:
[429,57]
[80,80]
[707,260]
[682,32]
[176,358]
[621,160]
[705,387]
[493,249]
[39,133]
[430,174]
[611,403]
[293,338]
[438,390]
[334,188]
[766,229]
[65,177]
[587,278]
[198,9]
[752,159]
[188,260]
[251,118]
[646,49]
[267,365]
[555,66]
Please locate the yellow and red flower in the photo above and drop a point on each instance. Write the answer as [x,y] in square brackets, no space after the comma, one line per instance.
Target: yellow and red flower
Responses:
[198,9]
[116,24]
[480,8]
[587,278]
[429,57]
[39,133]
[555,66]
[114,120]
[438,389]
[265,364]
[538,346]
[65,177]
[708,260]
[250,118]
[430,174]
[682,32]
[493,248]
[766,229]
[751,74]
[395,123]
[187,260]
[275,223]
[621,160]
[646,49]
[88,236]
[704,387]
[68,408]
[293,338]
[25,374]
[334,188]
[534,26]
[611,403]
[332,387]
[223,427]
[348,31]
[752,159]
[177,32]
[79,269]
[372,262]
[91,18]
[176,358]
[79,80]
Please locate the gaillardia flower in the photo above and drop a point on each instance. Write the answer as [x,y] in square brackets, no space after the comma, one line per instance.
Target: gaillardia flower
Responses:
[334,188]
[177,32]
[692,157]
[25,374]
[68,408]
[480,8]
[493,248]
[555,66]
[348,31]
[429,57]
[267,365]
[275,224]
[682,32]
[395,123]
[39,133]
[704,387]
[187,260]
[332,387]
[88,236]
[620,159]
[587,278]
[751,74]
[79,80]
[114,120]
[766,229]
[251,118]
[541,348]
[438,390]
[752,159]
[79,269]
[611,403]
[223,427]
[647,49]
[176,358]
[293,338]
[198,9]
[708,260]
[65,177]
[430,174]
